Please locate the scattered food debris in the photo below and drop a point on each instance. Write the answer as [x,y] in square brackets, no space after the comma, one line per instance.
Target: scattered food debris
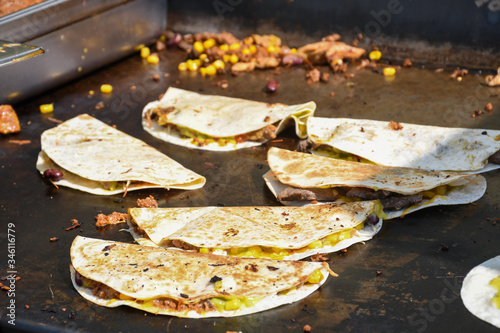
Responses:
[113,218]
[148,202]
[9,123]
[74,224]
[54,239]
[307,329]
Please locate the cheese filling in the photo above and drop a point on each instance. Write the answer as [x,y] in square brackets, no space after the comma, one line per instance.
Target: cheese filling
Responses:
[277,253]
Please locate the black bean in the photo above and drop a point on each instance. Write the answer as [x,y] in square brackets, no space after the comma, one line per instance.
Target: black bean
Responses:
[174,41]
[292,59]
[53,174]
[272,86]
[372,219]
[78,279]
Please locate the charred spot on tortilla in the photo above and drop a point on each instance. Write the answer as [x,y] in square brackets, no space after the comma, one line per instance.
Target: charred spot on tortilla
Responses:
[215,278]
[108,247]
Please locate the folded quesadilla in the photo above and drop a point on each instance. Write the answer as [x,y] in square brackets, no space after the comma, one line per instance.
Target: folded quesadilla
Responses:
[290,233]
[299,178]
[406,145]
[187,284]
[481,291]
[99,159]
[209,122]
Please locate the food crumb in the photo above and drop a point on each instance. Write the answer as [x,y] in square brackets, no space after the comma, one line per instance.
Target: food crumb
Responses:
[54,239]
[74,224]
[307,329]
[9,122]
[99,105]
[313,76]
[444,247]
[489,107]
[133,88]
[407,63]
[20,142]
[156,78]
[379,273]
[332,94]
[395,126]
[148,202]
[27,306]
[113,218]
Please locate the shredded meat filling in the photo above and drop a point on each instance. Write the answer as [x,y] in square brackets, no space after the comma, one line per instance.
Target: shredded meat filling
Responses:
[172,304]
[148,202]
[299,194]
[366,193]
[495,158]
[398,202]
[181,245]
[114,218]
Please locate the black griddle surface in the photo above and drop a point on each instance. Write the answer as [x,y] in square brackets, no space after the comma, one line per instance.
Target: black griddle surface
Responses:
[418,282]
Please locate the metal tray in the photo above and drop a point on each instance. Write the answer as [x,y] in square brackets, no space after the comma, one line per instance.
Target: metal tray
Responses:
[78,37]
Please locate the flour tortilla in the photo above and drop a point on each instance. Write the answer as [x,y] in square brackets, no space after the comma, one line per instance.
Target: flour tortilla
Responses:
[220,117]
[312,171]
[239,227]
[90,153]
[147,273]
[477,294]
[413,146]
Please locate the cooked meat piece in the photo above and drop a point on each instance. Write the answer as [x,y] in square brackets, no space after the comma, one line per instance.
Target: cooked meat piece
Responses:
[242,67]
[366,193]
[300,194]
[398,202]
[329,51]
[495,158]
[314,75]
[296,194]
[148,202]
[114,218]
[9,123]
[304,145]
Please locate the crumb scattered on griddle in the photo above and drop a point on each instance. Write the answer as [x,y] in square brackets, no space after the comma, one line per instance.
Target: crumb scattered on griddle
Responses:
[74,224]
[444,247]
[148,202]
[54,239]
[99,105]
[156,78]
[379,273]
[9,122]
[113,218]
[407,63]
[20,142]
[489,107]
[307,329]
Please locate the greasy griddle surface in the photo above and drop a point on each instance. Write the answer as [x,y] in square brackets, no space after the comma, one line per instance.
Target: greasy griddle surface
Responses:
[419,281]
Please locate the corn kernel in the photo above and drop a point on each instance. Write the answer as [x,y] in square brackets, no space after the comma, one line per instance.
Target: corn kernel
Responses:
[235,46]
[145,52]
[226,57]
[224,47]
[211,70]
[316,277]
[233,304]
[252,48]
[246,51]
[203,56]
[293,50]
[203,250]
[271,49]
[333,238]
[389,71]
[198,47]
[106,88]
[218,284]
[197,62]
[375,55]
[47,108]
[153,59]
[219,64]
[315,245]
[248,40]
[182,66]
[203,71]
[234,59]
[209,43]
[91,92]
[192,66]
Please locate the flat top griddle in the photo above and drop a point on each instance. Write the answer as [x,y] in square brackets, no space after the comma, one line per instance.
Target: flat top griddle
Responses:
[407,279]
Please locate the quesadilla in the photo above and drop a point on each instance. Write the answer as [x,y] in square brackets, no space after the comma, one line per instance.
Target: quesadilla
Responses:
[96,158]
[481,291]
[289,233]
[209,122]
[186,284]
[406,145]
[299,178]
